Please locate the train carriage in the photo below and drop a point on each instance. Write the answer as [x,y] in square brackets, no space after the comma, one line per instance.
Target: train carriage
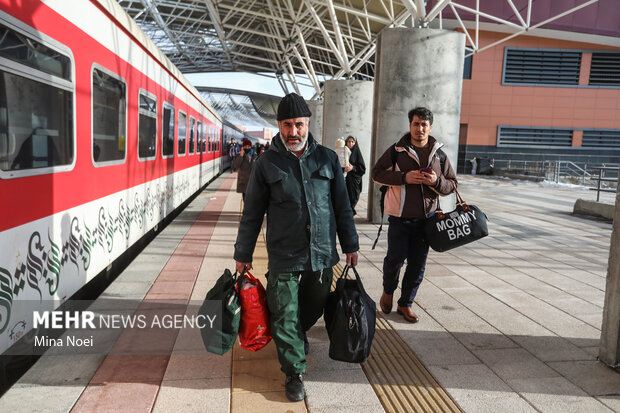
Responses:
[101,138]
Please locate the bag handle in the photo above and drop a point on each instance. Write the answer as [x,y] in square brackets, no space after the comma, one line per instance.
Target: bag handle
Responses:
[238,278]
[459,201]
[251,277]
[358,280]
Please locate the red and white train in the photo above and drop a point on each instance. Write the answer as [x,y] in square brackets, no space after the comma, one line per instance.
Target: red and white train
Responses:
[101,137]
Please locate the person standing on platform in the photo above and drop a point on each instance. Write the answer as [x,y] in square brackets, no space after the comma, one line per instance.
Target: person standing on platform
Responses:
[299,184]
[233,150]
[355,171]
[243,163]
[417,173]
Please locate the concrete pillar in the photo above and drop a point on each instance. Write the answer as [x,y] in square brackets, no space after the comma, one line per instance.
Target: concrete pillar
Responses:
[348,111]
[416,67]
[609,350]
[316,120]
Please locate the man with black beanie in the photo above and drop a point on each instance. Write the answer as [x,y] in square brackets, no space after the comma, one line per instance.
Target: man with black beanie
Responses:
[299,184]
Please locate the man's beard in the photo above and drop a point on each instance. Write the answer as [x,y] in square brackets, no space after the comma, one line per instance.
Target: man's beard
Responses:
[295,146]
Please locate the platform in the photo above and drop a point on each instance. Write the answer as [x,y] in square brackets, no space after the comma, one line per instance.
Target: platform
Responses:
[510,323]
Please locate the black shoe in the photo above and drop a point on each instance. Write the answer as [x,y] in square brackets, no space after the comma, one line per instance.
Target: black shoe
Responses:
[306,345]
[294,386]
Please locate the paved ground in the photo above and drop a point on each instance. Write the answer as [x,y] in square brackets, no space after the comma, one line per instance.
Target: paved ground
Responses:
[510,323]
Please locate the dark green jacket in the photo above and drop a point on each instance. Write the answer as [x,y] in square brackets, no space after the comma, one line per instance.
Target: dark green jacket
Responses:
[306,203]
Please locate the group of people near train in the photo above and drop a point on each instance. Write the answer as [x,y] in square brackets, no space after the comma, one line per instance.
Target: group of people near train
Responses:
[301,186]
[234,150]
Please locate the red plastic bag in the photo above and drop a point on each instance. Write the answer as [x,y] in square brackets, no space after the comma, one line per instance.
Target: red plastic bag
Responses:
[254,330]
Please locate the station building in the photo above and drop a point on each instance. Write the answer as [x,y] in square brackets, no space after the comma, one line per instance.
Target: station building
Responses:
[549,95]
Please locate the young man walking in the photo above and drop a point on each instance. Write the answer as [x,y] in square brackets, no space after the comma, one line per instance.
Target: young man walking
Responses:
[417,173]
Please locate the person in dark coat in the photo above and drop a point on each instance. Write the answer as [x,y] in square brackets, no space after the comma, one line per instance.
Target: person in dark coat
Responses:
[299,185]
[243,163]
[355,171]
[233,150]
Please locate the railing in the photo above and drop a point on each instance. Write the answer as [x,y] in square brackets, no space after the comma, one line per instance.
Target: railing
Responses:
[553,171]
[601,180]
[569,170]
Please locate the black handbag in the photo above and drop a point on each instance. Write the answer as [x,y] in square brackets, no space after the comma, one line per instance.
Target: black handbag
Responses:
[350,320]
[467,223]
[222,301]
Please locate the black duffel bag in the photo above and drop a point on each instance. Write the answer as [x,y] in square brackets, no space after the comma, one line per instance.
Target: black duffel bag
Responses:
[350,320]
[467,223]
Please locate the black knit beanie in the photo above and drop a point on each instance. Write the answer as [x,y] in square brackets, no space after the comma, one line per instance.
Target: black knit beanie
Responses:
[293,106]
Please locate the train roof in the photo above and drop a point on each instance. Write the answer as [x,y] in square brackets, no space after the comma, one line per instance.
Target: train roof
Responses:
[126,22]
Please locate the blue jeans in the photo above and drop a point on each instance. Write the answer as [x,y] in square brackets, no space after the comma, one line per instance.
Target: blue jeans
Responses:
[406,240]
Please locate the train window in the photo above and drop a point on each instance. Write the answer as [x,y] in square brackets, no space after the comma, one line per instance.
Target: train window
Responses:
[206,138]
[167,147]
[30,52]
[109,106]
[147,126]
[205,130]
[36,106]
[211,143]
[192,124]
[182,133]
[199,137]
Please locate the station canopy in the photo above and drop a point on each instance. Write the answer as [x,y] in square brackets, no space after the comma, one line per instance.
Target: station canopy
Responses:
[307,41]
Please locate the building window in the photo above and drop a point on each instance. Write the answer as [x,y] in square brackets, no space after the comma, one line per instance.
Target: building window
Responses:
[36,106]
[467,67]
[605,69]
[533,137]
[147,126]
[601,138]
[182,133]
[167,136]
[541,67]
[109,117]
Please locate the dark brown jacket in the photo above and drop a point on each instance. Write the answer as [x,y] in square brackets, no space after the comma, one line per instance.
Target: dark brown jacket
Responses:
[404,200]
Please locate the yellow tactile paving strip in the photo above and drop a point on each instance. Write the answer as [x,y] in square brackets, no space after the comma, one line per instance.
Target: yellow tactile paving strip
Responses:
[399,379]
[257,382]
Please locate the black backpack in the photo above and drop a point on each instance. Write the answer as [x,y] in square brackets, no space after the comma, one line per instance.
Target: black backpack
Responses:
[384,188]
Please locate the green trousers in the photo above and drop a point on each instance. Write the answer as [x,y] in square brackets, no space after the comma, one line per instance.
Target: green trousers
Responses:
[296,301]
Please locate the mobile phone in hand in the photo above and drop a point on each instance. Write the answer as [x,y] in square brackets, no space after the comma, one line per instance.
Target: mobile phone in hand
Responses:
[426,169]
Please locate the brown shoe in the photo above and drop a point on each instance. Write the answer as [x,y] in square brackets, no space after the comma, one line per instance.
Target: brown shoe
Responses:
[408,314]
[386,303]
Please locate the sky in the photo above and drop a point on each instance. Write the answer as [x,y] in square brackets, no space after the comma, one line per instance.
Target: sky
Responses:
[247,81]
[250,82]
